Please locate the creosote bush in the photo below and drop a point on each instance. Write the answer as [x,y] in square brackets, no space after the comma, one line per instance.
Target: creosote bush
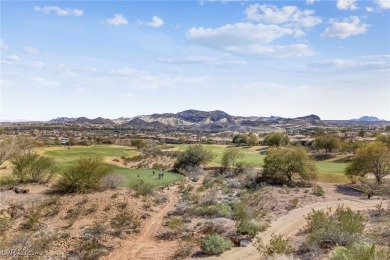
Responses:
[215,244]
[361,251]
[318,190]
[85,176]
[277,245]
[33,167]
[141,188]
[327,230]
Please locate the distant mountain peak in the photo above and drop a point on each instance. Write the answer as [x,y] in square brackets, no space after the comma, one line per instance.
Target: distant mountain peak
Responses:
[367,119]
[311,117]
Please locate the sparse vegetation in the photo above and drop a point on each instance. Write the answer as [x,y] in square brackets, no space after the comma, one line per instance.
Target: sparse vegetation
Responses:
[141,188]
[361,251]
[278,244]
[32,167]
[215,244]
[85,176]
[326,230]
[318,190]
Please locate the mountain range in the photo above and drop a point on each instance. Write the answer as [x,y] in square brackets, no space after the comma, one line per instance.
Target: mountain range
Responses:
[206,121]
[190,120]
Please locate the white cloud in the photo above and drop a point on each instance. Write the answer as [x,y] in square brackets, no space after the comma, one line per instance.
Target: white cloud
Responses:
[247,39]
[13,58]
[30,50]
[369,9]
[3,45]
[310,2]
[374,62]
[155,22]
[343,29]
[203,60]
[59,11]
[384,4]
[117,20]
[285,15]
[239,34]
[44,82]
[346,4]
[279,51]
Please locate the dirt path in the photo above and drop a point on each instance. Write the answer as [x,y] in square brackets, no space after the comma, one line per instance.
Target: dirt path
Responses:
[145,245]
[291,223]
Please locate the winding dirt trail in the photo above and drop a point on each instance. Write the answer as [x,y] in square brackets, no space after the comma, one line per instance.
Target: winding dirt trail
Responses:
[291,223]
[144,245]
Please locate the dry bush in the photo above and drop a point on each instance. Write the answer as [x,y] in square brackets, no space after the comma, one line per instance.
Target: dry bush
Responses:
[112,181]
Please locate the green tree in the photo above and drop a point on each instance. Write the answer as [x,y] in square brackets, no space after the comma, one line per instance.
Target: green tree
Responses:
[240,139]
[193,156]
[138,143]
[283,163]
[276,139]
[85,176]
[230,156]
[32,167]
[252,140]
[72,141]
[13,146]
[326,142]
[373,158]
[384,138]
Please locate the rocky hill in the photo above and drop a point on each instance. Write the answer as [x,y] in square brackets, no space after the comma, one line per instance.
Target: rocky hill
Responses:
[196,120]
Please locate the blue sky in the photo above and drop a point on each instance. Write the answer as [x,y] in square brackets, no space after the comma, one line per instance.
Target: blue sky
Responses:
[261,58]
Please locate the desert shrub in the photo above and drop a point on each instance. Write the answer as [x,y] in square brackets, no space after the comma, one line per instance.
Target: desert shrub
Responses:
[194,155]
[112,181]
[175,224]
[33,218]
[33,167]
[160,166]
[361,251]
[97,230]
[141,188]
[51,206]
[160,200]
[124,221]
[8,180]
[218,210]
[138,143]
[211,228]
[184,250]
[342,228]
[85,176]
[215,244]
[293,203]
[5,225]
[318,190]
[247,227]
[92,209]
[277,245]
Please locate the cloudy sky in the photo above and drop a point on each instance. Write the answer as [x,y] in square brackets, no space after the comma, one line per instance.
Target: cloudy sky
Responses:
[261,58]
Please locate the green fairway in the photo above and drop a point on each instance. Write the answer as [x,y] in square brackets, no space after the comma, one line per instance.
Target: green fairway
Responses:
[250,154]
[147,175]
[329,170]
[66,156]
